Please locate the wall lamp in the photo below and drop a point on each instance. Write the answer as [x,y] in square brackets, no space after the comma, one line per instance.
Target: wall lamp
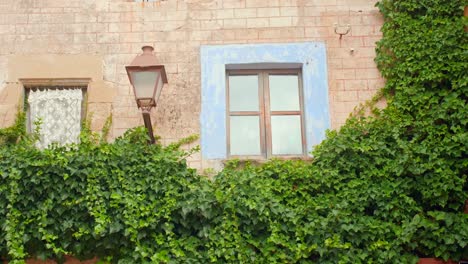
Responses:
[147,79]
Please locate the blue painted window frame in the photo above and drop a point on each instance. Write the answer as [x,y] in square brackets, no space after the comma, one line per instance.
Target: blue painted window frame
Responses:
[215,59]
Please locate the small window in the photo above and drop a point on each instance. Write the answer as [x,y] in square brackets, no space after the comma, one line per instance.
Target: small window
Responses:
[58,109]
[265,113]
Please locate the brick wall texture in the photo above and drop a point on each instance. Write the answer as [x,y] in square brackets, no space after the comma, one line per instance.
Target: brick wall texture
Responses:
[116,30]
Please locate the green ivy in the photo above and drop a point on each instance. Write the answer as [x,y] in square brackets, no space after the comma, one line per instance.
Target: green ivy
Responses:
[385,188]
[16,132]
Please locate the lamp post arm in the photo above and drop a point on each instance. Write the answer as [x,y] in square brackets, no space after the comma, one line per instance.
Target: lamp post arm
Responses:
[149,126]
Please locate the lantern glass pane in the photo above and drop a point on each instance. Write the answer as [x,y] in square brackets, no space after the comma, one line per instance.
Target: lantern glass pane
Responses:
[159,88]
[144,83]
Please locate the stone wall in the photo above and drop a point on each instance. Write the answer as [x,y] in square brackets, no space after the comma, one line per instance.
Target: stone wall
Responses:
[97,38]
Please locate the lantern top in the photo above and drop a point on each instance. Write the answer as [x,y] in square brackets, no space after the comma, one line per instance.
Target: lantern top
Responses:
[147,49]
[146,59]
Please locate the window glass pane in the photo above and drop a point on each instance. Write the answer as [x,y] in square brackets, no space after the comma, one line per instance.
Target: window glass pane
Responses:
[284,92]
[245,135]
[286,134]
[243,93]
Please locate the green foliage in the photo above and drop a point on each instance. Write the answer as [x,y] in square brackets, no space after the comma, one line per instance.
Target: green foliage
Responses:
[117,200]
[14,133]
[386,188]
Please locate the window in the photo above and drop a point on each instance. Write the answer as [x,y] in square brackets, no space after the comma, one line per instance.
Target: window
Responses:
[265,113]
[58,110]
[309,61]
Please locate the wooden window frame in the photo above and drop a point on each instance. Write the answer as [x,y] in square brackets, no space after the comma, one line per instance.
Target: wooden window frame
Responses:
[265,113]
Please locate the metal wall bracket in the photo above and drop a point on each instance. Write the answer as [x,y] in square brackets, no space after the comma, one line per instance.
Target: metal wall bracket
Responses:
[342,30]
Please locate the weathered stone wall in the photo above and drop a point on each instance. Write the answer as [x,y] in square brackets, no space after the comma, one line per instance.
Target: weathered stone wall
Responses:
[97,38]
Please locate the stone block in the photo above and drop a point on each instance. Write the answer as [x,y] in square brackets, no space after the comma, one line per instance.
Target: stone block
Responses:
[85,17]
[366,95]
[120,27]
[364,31]
[343,74]
[314,32]
[223,13]
[370,41]
[280,21]
[233,4]
[8,114]
[346,96]
[130,37]
[291,11]
[108,17]
[261,3]
[375,84]
[370,73]
[201,14]
[85,38]
[107,38]
[257,22]
[268,12]
[246,34]
[355,85]
[211,24]
[245,13]
[321,3]
[100,92]
[355,63]
[234,23]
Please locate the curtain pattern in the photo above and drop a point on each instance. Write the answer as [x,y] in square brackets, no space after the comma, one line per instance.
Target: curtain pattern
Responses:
[59,112]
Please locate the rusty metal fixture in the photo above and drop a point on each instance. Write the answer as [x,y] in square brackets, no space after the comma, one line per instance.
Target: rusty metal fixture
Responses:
[465,13]
[147,79]
[341,29]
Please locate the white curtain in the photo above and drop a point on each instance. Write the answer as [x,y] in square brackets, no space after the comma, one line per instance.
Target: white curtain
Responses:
[60,113]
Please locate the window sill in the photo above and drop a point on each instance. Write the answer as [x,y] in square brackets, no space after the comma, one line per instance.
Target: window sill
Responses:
[256,160]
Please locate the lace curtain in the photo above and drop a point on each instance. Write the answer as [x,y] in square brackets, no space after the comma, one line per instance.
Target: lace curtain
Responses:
[59,112]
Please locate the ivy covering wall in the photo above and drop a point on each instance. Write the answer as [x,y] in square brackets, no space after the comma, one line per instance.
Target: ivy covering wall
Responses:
[387,188]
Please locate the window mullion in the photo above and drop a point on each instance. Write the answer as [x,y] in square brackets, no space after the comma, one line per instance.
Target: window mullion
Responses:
[267,115]
[228,116]
[262,112]
[301,104]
